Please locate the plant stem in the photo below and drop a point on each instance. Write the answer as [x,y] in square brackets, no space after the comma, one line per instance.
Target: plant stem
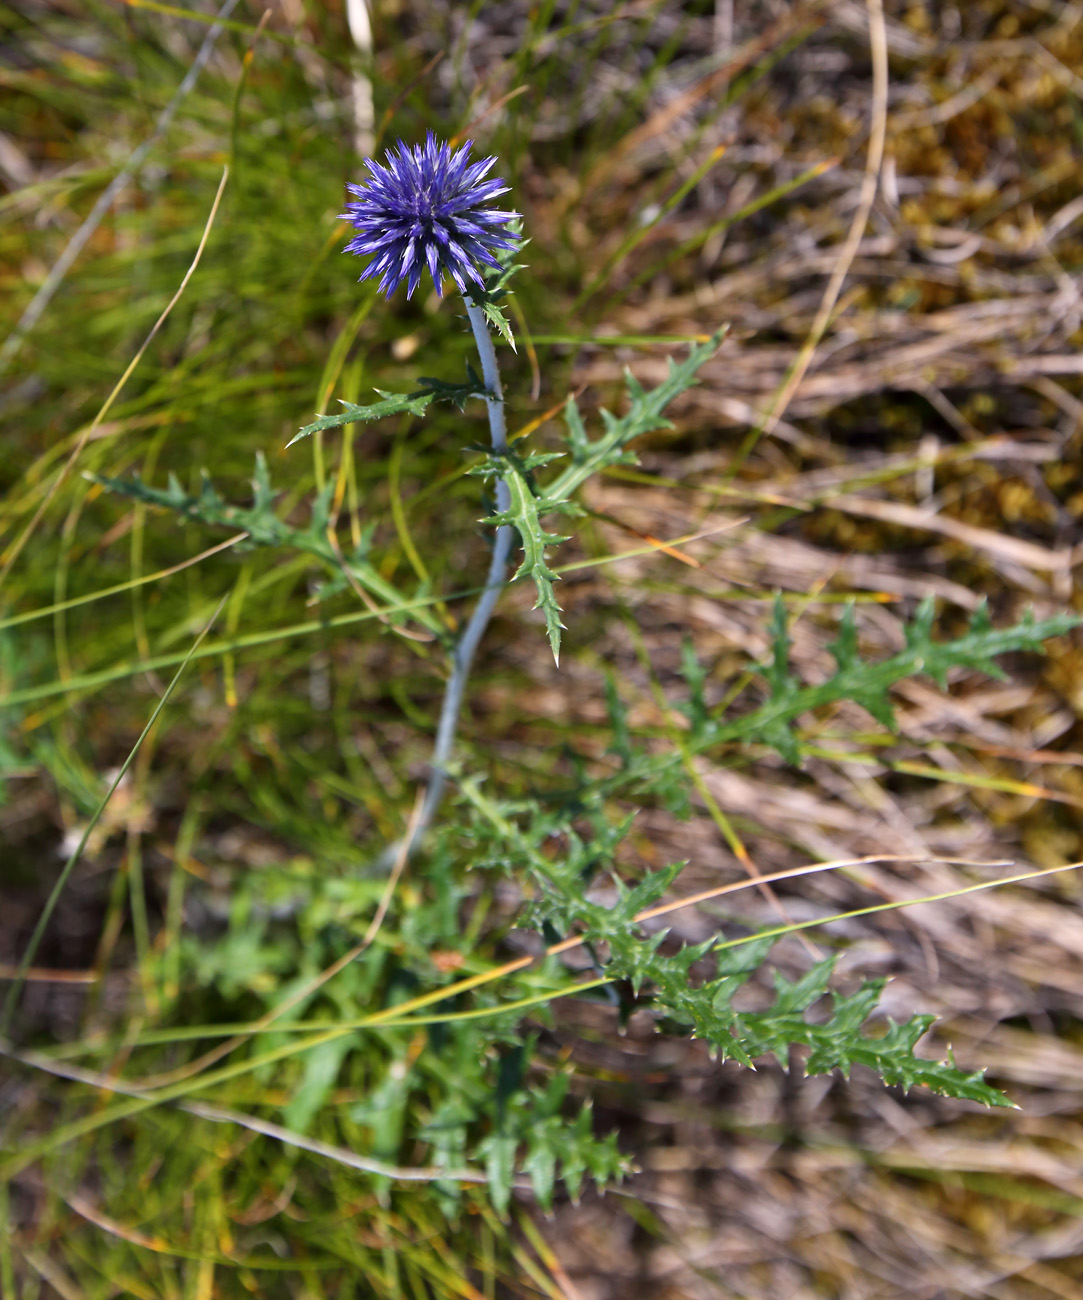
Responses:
[463,655]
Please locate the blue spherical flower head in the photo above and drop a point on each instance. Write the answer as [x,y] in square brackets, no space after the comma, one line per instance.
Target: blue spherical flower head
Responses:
[428,208]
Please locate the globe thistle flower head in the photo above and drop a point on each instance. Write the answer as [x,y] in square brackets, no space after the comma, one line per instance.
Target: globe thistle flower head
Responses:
[428,208]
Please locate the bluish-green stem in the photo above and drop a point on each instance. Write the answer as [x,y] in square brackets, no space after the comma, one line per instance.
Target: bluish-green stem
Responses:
[466,647]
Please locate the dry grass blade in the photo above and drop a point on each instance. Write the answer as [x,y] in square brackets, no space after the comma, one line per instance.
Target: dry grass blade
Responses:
[13,551]
[869,183]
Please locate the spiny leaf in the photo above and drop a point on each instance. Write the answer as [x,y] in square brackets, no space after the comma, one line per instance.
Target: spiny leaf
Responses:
[459,394]
[540,1166]
[577,432]
[529,505]
[490,297]
[265,528]
[841,1042]
[778,670]
[666,983]
[522,514]
[980,622]
[494,314]
[868,683]
[646,893]
[844,646]
[892,1058]
[489,300]
[429,390]
[644,414]
[390,404]
[693,672]
[918,632]
[636,960]
[495,465]
[776,731]
[569,1146]
[497,1151]
[799,995]
[553,1147]
[621,742]
[872,698]
[982,644]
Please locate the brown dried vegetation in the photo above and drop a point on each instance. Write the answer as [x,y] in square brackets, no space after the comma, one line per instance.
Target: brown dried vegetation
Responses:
[928,282]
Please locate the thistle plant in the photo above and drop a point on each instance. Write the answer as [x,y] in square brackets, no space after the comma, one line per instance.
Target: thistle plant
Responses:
[427,212]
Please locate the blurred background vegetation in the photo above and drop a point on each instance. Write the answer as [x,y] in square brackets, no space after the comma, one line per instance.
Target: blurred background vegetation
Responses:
[897,411]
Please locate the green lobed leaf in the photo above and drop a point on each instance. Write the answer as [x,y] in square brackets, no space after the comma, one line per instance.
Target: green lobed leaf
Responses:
[497,1151]
[687,1002]
[840,1042]
[495,316]
[459,394]
[556,1146]
[390,404]
[553,1147]
[621,743]
[523,515]
[644,415]
[490,298]
[867,683]
[265,528]
[530,504]
[695,675]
